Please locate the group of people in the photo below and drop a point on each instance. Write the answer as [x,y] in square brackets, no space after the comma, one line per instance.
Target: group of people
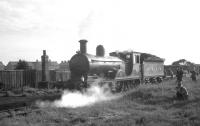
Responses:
[181,91]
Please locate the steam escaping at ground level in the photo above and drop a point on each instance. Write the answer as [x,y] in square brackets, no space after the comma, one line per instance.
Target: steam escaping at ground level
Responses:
[74,99]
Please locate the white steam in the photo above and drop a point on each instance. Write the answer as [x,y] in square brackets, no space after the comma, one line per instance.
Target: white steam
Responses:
[75,99]
[85,25]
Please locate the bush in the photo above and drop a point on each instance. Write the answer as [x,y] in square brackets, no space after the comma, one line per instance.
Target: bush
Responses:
[22,65]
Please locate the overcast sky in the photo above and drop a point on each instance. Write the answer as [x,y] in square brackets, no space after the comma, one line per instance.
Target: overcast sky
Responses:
[167,28]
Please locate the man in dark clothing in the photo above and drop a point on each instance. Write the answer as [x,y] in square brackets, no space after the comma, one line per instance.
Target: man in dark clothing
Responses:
[193,75]
[179,75]
[181,92]
[171,73]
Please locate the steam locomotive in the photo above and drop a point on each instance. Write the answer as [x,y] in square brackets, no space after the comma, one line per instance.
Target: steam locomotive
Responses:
[121,70]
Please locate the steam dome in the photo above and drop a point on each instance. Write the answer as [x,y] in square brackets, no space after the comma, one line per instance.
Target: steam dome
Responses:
[100,51]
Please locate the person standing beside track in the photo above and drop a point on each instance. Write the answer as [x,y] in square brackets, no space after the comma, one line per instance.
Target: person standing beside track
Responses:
[171,74]
[181,91]
[193,75]
[179,75]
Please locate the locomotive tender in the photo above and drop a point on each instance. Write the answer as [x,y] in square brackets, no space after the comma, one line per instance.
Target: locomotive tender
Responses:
[121,70]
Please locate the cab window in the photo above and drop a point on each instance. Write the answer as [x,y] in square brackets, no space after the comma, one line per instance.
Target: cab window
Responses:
[137,59]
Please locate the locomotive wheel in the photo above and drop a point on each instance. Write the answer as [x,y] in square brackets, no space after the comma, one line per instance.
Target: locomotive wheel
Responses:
[159,80]
[125,86]
[147,81]
[118,86]
[120,73]
[137,83]
[102,75]
[153,80]
[129,85]
[122,86]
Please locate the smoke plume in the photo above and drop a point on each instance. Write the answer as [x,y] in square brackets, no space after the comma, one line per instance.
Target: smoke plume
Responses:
[92,95]
[84,27]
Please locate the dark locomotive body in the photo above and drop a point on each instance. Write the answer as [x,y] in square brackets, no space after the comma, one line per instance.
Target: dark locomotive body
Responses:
[122,70]
[84,65]
[141,67]
[90,64]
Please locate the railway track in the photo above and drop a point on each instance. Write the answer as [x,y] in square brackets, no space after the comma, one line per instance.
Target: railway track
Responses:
[13,106]
[23,110]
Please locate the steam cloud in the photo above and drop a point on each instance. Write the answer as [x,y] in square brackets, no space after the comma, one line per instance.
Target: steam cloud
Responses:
[76,99]
[85,25]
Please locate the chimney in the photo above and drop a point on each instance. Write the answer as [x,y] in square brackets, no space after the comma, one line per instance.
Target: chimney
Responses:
[45,67]
[83,46]
[44,52]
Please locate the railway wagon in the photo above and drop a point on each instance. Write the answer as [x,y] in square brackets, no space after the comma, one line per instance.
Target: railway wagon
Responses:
[152,68]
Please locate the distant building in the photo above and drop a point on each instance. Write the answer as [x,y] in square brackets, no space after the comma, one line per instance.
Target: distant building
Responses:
[53,65]
[11,65]
[37,65]
[64,65]
[1,66]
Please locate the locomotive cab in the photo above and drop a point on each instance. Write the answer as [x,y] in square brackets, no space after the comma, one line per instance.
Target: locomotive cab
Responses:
[132,62]
[131,76]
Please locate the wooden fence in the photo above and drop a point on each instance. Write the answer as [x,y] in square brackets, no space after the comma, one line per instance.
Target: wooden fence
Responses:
[10,79]
[59,76]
